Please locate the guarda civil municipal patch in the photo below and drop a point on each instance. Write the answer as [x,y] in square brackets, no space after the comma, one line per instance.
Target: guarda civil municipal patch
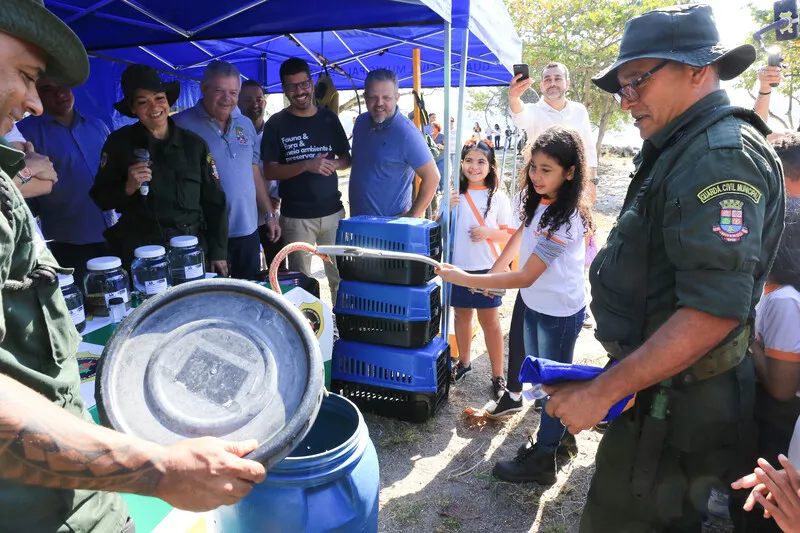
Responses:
[729,187]
[731,226]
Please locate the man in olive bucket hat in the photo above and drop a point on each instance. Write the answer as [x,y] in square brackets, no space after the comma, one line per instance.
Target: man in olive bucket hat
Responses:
[675,286]
[56,466]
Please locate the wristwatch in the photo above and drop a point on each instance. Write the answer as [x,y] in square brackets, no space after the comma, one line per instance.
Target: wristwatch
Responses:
[25,175]
[269,215]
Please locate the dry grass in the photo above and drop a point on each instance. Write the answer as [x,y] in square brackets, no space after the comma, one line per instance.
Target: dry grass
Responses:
[436,477]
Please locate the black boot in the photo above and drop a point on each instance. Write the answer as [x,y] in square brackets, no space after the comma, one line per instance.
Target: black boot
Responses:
[536,465]
[567,448]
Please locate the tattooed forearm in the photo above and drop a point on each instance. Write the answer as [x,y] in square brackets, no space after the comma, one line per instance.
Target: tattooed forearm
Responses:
[41,444]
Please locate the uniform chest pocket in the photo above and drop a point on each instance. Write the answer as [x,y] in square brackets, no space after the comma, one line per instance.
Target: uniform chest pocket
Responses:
[40,317]
[188,188]
[61,333]
[623,268]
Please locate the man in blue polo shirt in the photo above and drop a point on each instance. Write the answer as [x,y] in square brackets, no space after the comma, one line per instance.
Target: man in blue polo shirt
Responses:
[387,151]
[233,142]
[73,142]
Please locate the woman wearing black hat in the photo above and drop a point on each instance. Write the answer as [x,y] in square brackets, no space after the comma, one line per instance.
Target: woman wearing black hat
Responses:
[161,178]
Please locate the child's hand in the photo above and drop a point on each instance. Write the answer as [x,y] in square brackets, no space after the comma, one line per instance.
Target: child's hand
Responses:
[479,233]
[454,199]
[778,491]
[451,274]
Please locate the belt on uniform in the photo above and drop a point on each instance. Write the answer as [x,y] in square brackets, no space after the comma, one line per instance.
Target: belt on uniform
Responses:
[719,360]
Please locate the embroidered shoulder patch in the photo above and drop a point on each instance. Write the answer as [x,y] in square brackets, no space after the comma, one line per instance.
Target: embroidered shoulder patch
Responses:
[210,159]
[728,187]
[87,366]
[731,226]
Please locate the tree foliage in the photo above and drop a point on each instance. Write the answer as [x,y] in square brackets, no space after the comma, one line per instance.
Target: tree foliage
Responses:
[791,68]
[585,36]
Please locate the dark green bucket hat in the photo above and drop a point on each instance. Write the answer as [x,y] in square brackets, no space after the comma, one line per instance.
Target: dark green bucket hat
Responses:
[30,21]
[686,34]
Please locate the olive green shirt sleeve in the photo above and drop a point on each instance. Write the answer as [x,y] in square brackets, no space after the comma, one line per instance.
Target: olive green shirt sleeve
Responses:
[108,191]
[713,223]
[213,203]
[7,245]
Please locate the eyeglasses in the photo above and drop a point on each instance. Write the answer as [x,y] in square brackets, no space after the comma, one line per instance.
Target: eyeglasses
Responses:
[292,87]
[629,91]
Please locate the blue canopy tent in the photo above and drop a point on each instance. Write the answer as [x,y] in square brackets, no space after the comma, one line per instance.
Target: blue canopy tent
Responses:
[349,37]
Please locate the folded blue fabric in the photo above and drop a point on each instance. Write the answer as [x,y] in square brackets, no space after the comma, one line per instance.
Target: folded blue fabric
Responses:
[537,370]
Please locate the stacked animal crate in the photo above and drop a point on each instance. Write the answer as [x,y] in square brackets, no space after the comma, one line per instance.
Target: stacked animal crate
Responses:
[389,359]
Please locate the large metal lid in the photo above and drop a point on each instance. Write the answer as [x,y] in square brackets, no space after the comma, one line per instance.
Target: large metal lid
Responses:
[217,357]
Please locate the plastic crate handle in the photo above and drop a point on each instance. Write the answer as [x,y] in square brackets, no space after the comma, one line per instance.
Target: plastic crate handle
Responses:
[353,251]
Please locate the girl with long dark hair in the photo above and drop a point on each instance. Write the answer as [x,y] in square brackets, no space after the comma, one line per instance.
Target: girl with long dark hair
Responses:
[550,243]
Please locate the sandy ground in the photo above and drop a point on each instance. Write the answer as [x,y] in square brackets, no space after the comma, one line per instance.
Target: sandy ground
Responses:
[436,477]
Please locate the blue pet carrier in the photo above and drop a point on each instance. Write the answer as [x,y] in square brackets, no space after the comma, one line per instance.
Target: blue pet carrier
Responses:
[410,235]
[407,317]
[394,382]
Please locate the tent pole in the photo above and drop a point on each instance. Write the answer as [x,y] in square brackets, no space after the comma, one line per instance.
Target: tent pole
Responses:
[416,68]
[445,202]
[462,84]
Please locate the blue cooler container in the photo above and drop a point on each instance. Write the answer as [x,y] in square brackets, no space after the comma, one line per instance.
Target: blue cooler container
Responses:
[329,483]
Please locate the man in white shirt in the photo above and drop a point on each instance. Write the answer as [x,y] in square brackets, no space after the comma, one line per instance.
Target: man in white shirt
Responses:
[554,108]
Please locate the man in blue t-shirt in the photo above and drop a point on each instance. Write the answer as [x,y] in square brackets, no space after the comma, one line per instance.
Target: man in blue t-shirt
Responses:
[387,150]
[303,147]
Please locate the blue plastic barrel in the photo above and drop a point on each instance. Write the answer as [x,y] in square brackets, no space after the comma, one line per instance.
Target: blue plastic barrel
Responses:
[329,483]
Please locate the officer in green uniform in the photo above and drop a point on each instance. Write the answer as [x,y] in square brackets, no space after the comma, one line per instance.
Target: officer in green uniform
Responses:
[58,470]
[674,288]
[175,192]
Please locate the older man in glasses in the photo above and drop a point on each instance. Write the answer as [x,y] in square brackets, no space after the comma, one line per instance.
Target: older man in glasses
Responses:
[303,147]
[674,288]
[232,140]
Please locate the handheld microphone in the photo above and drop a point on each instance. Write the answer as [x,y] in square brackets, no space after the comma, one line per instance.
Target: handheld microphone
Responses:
[142,156]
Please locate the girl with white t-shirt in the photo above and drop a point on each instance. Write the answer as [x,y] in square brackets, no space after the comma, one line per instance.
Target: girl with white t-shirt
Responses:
[550,243]
[482,216]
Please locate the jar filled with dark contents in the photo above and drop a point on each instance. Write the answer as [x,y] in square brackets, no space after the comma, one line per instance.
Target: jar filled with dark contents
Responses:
[105,279]
[150,269]
[186,259]
[74,299]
